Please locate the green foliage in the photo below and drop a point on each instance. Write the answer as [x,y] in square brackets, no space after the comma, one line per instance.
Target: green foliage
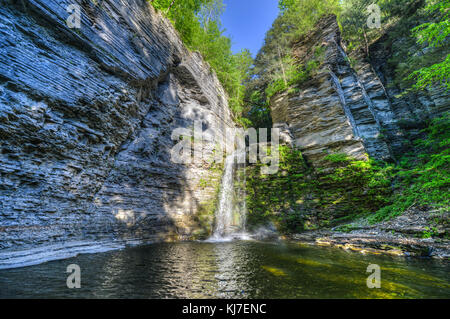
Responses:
[422,180]
[416,30]
[345,228]
[353,20]
[274,69]
[203,183]
[269,195]
[274,87]
[354,15]
[204,218]
[436,73]
[293,74]
[435,34]
[301,15]
[337,158]
[183,14]
[258,111]
[198,22]
[430,232]
[299,197]
[423,21]
[204,215]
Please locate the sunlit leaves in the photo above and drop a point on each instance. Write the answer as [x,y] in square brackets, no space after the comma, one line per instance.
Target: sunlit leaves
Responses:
[437,73]
[435,34]
[198,22]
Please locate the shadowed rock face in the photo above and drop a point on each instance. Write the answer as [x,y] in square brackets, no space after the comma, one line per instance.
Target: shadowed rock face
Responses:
[411,109]
[86,117]
[345,107]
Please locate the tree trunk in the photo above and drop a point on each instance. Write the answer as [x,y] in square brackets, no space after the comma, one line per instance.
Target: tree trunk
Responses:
[367,43]
[170,7]
[282,66]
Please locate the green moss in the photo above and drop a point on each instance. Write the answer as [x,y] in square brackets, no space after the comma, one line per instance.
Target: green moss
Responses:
[337,158]
[300,198]
[423,179]
[430,232]
[202,183]
[346,228]
[204,216]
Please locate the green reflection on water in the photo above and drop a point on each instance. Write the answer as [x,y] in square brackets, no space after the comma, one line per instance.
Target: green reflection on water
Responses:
[230,270]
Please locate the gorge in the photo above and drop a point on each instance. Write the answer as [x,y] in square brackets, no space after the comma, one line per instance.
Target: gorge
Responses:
[87,121]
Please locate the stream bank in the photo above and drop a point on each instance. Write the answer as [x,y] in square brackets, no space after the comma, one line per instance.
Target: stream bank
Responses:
[407,235]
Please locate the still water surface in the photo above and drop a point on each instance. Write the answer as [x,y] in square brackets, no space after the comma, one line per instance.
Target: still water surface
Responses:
[243,269]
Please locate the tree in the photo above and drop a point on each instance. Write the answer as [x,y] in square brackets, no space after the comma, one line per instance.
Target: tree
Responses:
[183,14]
[435,34]
[274,67]
[198,22]
[353,20]
[211,11]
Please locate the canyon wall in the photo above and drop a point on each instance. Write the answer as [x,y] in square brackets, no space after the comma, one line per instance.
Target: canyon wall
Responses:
[86,117]
[350,104]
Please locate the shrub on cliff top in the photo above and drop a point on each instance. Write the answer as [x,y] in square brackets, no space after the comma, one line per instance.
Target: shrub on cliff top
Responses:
[198,22]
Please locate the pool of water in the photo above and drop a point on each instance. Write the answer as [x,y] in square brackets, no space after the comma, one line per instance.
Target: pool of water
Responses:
[242,269]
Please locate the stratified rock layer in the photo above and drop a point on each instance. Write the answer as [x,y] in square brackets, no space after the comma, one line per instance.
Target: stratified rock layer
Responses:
[345,107]
[401,236]
[86,117]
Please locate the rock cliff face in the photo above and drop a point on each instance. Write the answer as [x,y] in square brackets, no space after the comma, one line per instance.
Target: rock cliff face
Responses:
[412,109]
[86,117]
[348,105]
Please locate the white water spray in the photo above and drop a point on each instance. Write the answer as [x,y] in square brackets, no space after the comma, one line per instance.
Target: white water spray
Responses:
[224,229]
[224,213]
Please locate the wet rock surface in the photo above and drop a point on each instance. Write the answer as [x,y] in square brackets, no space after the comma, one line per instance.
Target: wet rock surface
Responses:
[86,117]
[401,236]
[350,104]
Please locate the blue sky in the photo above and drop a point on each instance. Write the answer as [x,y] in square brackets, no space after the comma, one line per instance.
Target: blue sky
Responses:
[247,21]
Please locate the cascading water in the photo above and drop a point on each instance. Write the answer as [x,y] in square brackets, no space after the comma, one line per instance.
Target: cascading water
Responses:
[224,220]
[224,213]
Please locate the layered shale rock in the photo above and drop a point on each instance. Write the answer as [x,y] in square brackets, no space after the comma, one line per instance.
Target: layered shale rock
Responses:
[401,236]
[86,121]
[347,106]
[411,109]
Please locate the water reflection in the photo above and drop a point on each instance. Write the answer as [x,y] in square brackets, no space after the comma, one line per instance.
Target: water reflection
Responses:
[230,270]
[233,272]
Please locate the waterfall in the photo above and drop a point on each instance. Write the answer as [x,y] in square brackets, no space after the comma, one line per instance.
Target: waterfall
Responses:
[225,228]
[224,213]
